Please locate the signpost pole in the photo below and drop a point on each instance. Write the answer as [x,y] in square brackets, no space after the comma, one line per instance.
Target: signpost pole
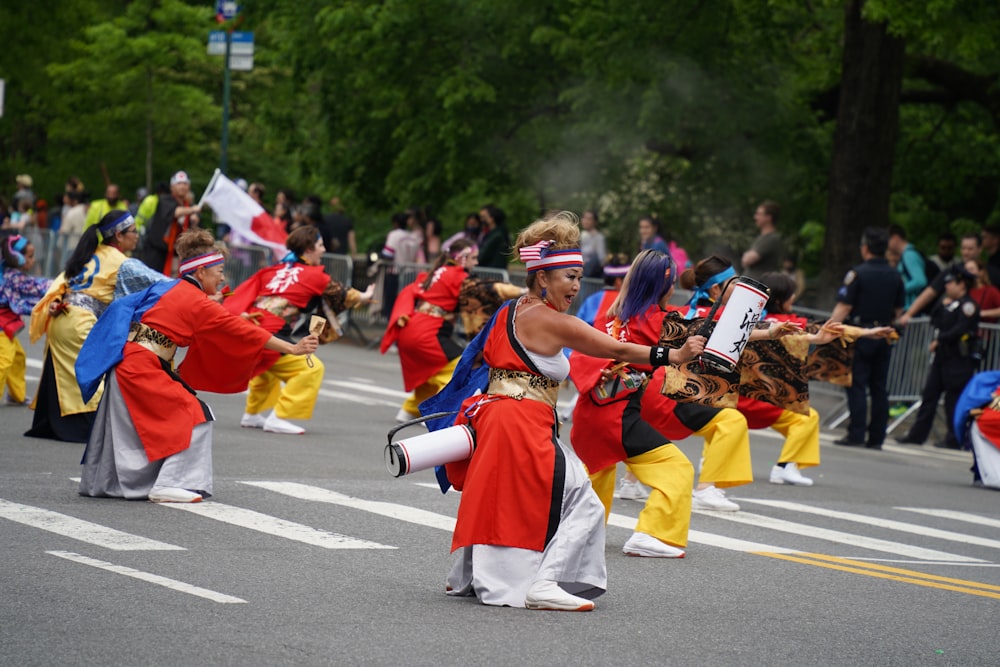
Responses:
[224,160]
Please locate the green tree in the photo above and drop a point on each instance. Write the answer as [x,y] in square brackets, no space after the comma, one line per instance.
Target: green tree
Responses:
[137,94]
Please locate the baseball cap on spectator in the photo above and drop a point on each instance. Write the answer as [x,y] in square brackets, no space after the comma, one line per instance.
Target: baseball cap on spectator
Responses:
[180,177]
[24,179]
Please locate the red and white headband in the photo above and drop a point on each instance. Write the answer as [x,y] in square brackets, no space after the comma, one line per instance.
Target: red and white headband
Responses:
[208,259]
[538,257]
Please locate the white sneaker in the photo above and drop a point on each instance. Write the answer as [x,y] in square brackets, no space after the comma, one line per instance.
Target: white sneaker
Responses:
[712,498]
[631,491]
[253,420]
[404,416]
[641,544]
[168,494]
[789,475]
[275,424]
[548,595]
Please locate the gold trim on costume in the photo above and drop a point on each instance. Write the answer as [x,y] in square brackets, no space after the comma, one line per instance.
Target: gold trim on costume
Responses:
[428,308]
[520,385]
[279,306]
[152,340]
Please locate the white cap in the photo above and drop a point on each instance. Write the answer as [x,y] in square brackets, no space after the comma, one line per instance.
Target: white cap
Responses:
[180,177]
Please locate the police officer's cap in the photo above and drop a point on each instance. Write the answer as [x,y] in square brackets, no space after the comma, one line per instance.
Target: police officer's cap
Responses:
[961,274]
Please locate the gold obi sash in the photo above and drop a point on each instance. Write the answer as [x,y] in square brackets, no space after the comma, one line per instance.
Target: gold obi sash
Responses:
[428,308]
[520,385]
[152,340]
[277,305]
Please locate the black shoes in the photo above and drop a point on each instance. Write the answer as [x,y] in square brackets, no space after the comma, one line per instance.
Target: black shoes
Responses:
[847,442]
[907,440]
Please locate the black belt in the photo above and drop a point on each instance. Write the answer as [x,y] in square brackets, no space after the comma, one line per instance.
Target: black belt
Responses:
[858,322]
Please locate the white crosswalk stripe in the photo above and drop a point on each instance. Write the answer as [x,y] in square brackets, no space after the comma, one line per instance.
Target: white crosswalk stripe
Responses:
[839,537]
[882,523]
[391,510]
[857,543]
[273,526]
[166,582]
[956,516]
[80,529]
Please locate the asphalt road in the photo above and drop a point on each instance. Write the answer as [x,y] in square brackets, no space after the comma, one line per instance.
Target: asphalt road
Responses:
[310,553]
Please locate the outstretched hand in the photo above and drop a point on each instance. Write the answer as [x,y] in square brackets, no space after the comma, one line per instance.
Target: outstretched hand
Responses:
[779,329]
[307,345]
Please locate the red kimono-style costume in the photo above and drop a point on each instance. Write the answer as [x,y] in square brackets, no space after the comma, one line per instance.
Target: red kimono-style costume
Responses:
[609,430]
[528,511]
[149,414]
[274,297]
[421,325]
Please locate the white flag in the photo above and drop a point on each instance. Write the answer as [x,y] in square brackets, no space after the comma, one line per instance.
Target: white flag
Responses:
[237,209]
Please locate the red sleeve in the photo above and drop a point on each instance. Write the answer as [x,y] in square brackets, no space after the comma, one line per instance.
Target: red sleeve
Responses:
[225,351]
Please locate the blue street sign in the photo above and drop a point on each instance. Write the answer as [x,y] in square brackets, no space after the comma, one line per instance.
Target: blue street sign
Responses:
[227,9]
[240,43]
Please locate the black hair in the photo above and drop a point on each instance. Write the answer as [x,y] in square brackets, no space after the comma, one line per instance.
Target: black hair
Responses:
[876,239]
[86,246]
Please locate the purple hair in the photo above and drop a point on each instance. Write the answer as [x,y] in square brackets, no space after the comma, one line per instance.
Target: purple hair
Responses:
[647,282]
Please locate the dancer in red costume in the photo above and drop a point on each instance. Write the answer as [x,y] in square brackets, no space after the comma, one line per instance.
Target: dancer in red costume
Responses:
[153,436]
[280,299]
[530,529]
[607,427]
[422,324]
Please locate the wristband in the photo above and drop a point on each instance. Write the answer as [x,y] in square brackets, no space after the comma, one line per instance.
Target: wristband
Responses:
[659,356]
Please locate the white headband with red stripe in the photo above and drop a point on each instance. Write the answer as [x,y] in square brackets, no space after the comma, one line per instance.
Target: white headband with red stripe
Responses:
[208,259]
[538,257]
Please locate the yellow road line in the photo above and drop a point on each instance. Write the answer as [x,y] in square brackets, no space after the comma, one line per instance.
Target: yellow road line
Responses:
[892,573]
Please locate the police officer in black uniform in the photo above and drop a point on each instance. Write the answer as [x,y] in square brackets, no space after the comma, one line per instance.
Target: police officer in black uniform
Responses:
[871,296]
[956,356]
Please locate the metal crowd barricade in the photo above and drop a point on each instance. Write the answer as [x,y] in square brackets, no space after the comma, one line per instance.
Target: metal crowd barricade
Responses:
[341,269]
[491,273]
[244,261]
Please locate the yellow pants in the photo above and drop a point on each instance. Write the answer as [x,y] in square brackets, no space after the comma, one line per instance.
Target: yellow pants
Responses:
[801,438]
[726,452]
[433,385]
[13,365]
[670,476]
[297,398]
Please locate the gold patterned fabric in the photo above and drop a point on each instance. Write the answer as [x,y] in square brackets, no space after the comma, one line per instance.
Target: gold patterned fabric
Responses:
[774,371]
[478,299]
[151,339]
[520,385]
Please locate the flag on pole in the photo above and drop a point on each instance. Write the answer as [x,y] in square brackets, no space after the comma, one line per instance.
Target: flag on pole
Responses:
[234,207]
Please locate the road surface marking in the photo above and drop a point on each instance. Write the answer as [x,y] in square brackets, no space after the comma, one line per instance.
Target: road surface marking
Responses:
[391,510]
[952,514]
[882,523]
[893,573]
[373,389]
[172,584]
[79,529]
[270,525]
[860,541]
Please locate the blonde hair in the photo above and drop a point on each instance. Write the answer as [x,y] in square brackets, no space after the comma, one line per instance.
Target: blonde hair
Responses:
[196,242]
[562,228]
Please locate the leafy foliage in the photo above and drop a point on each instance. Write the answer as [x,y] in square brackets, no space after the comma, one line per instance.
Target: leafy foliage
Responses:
[693,109]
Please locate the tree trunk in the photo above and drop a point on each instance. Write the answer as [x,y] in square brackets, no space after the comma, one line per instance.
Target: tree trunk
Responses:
[863,144]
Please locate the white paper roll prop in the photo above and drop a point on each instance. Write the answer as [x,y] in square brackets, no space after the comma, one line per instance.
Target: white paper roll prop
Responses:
[428,450]
[739,318]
